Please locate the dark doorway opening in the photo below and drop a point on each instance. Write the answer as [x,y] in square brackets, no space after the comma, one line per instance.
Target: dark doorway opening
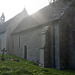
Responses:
[25,51]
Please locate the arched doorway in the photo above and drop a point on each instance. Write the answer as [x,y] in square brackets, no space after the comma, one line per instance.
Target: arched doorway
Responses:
[25,51]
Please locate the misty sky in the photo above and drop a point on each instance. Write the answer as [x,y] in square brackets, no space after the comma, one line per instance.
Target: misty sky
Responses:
[13,7]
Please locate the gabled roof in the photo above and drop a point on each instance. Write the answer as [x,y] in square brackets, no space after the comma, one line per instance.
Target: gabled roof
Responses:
[27,23]
[16,18]
[49,13]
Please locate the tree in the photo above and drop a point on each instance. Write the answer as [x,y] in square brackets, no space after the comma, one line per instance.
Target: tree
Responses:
[51,1]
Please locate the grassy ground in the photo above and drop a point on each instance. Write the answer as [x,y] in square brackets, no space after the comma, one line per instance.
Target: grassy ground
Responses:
[25,67]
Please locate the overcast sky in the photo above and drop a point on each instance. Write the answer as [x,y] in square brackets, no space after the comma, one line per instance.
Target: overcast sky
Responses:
[12,7]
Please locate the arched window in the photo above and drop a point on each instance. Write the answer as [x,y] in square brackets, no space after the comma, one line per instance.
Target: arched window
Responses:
[19,41]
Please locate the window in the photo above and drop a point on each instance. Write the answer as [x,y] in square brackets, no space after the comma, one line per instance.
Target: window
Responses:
[19,41]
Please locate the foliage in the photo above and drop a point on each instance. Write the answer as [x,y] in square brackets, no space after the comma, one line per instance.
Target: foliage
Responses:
[24,67]
[73,3]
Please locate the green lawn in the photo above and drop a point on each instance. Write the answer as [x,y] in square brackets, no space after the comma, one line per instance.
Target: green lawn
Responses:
[25,67]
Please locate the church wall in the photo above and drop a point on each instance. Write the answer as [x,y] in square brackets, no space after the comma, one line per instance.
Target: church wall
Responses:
[11,27]
[48,49]
[32,40]
[71,30]
[66,39]
[63,45]
[2,41]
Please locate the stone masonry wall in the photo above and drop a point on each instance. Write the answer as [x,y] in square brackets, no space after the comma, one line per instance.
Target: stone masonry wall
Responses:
[67,53]
[32,40]
[2,41]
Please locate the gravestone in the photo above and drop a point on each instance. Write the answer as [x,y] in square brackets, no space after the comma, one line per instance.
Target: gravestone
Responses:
[2,58]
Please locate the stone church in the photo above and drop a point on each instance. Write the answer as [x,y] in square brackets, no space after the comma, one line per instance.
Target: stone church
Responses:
[6,28]
[46,37]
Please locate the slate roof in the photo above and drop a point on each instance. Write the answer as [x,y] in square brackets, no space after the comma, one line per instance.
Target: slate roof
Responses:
[15,19]
[49,13]
[26,24]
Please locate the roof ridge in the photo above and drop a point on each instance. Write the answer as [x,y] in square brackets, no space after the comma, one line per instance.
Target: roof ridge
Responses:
[65,9]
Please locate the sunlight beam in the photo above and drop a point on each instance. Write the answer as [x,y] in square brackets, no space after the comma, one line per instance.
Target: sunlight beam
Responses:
[13,7]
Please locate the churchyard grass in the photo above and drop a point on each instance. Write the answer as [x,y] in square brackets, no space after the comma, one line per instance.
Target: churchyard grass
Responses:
[24,67]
